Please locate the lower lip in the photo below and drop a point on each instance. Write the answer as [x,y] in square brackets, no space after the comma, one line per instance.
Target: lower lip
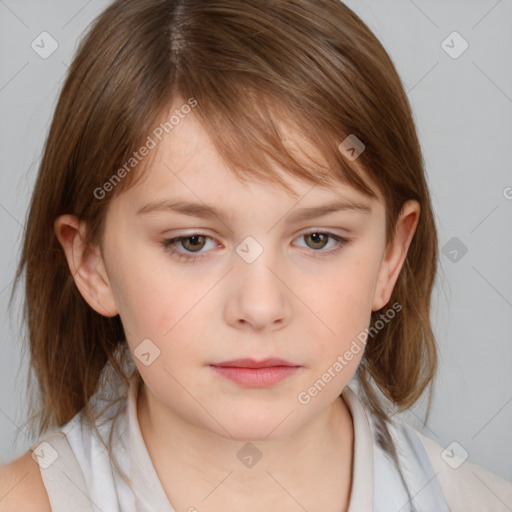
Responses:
[256,377]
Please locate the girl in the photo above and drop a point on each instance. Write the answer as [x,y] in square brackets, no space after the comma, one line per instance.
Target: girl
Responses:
[231,222]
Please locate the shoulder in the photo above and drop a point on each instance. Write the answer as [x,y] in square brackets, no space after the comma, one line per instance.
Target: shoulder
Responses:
[466,486]
[22,487]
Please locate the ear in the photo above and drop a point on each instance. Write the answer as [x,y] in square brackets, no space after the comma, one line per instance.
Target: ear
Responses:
[396,253]
[86,265]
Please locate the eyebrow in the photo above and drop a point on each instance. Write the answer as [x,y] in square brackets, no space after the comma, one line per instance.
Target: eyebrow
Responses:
[207,212]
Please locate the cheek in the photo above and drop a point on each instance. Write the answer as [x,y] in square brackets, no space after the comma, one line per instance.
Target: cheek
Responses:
[148,298]
[346,298]
[164,308]
[344,305]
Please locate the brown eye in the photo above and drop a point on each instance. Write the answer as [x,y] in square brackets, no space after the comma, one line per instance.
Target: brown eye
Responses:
[197,242]
[319,240]
[318,243]
[188,248]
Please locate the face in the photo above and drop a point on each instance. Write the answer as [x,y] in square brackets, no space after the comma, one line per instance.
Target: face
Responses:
[253,281]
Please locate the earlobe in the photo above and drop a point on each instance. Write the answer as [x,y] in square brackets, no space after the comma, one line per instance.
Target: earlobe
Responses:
[86,265]
[396,253]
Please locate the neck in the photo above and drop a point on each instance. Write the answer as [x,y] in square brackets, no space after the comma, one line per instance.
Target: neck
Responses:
[310,468]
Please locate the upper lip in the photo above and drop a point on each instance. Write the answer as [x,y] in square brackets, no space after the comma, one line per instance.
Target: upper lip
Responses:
[253,363]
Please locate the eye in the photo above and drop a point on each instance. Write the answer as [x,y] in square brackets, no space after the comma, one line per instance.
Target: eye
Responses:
[194,244]
[319,240]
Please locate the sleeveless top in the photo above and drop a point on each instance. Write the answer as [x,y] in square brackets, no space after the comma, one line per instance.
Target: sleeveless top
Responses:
[79,477]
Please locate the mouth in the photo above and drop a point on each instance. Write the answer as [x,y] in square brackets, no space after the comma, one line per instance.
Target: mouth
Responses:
[253,363]
[256,374]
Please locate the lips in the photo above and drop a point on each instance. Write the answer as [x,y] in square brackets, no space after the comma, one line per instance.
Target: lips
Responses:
[256,374]
[253,363]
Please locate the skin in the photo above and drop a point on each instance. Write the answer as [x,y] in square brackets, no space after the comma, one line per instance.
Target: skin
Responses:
[298,301]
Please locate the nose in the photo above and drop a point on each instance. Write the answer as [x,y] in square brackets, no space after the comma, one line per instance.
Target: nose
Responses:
[260,298]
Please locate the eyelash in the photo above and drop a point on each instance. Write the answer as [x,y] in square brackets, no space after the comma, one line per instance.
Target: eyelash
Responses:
[166,243]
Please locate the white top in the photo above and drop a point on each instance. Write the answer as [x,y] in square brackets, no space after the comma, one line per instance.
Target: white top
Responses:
[79,476]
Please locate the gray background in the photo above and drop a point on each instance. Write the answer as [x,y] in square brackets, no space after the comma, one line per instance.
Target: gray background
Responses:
[463,111]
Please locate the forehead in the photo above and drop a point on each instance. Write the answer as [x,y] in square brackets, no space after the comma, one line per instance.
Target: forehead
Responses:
[186,159]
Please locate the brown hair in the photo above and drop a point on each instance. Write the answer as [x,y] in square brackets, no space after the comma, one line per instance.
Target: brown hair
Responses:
[249,66]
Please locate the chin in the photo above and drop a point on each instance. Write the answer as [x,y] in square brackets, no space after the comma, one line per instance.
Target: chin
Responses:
[251,434]
[255,426]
